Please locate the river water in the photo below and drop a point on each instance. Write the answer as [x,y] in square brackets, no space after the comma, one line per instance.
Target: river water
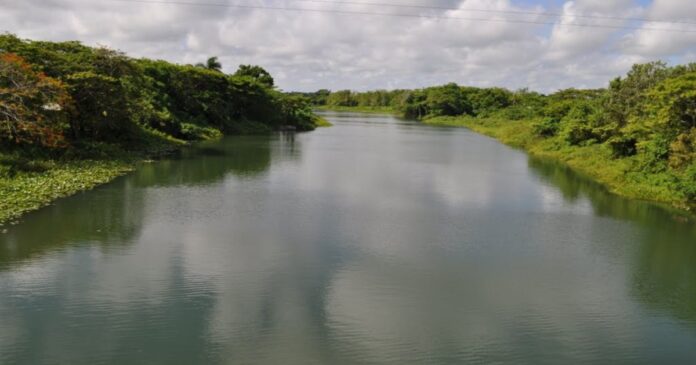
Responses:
[376,241]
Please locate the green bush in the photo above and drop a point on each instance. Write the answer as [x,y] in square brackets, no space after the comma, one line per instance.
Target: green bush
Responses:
[100,108]
[548,127]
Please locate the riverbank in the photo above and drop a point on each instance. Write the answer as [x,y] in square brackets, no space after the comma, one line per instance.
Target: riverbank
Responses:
[30,182]
[621,176]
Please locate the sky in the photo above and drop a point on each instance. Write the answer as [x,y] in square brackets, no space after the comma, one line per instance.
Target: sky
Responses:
[367,44]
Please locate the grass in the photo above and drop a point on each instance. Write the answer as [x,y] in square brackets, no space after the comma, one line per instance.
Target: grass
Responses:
[622,176]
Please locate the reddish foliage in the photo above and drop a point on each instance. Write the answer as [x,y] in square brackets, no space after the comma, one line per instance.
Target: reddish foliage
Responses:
[31,104]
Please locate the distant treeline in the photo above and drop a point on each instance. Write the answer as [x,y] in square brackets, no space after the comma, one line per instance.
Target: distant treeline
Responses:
[647,118]
[60,95]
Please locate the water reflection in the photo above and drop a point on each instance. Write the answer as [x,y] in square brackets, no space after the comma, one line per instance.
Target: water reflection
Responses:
[665,275]
[575,187]
[664,265]
[110,216]
[374,241]
[208,163]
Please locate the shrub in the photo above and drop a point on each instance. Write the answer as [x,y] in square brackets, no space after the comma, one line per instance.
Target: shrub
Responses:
[548,127]
[683,150]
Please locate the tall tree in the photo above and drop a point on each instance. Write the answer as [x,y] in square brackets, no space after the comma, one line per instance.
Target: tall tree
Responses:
[211,64]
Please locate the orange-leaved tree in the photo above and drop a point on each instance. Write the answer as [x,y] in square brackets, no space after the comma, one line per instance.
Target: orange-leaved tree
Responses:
[31,105]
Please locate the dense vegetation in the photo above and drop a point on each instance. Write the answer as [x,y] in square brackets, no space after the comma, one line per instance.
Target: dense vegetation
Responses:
[638,135]
[64,104]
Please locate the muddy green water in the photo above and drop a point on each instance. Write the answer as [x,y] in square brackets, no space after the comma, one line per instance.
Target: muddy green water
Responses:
[376,241]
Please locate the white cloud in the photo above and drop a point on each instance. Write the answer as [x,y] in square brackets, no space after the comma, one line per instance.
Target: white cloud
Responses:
[309,50]
[650,41]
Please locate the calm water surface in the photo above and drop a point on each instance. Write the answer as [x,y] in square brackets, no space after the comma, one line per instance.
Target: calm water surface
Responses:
[375,241]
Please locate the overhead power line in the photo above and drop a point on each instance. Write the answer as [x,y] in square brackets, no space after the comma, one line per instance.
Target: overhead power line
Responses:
[404,15]
[496,11]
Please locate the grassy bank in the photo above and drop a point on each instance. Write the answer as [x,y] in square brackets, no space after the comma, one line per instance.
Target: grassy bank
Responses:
[622,176]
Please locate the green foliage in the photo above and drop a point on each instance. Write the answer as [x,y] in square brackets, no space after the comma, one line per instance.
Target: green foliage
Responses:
[524,104]
[99,111]
[623,146]
[297,112]
[487,101]
[194,132]
[687,182]
[670,108]
[683,150]
[548,127]
[257,73]
[112,98]
[73,116]
[319,97]
[626,96]
[341,98]
[579,122]
[447,100]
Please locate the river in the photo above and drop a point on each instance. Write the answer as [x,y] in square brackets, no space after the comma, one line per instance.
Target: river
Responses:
[376,241]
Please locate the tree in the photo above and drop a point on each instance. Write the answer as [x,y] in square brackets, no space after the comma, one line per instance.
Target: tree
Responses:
[257,73]
[487,100]
[101,108]
[626,96]
[341,98]
[447,100]
[31,104]
[669,120]
[211,64]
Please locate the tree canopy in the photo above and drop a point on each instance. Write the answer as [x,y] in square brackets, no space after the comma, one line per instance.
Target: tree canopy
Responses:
[67,94]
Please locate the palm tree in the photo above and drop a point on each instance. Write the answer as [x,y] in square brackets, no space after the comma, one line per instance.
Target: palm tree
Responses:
[213,64]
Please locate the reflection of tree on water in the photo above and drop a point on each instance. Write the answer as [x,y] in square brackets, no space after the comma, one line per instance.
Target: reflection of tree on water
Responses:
[109,216]
[574,186]
[207,163]
[665,263]
[288,139]
[113,214]
[665,277]
[89,318]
